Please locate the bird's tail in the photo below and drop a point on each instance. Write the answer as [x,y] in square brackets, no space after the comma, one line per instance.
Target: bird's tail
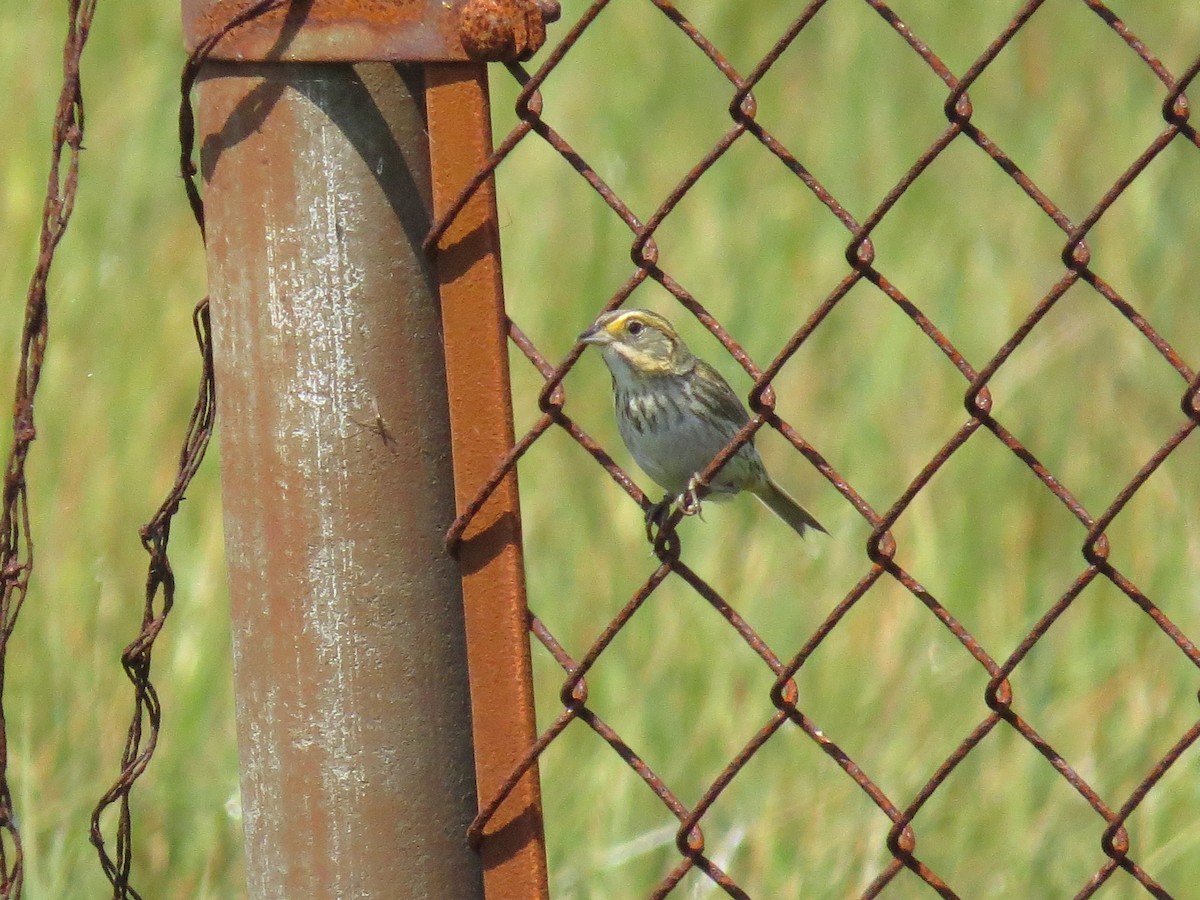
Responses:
[779,502]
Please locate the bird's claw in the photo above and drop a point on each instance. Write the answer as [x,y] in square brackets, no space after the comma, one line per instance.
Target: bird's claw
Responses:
[689,500]
[658,515]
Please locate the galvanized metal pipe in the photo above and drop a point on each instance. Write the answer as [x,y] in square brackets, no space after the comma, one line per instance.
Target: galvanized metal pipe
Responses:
[350,661]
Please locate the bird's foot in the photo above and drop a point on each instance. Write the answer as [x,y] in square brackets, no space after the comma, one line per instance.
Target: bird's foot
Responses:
[689,500]
[656,518]
[659,530]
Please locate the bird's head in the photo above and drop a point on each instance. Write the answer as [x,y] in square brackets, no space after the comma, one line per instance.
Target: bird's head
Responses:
[637,340]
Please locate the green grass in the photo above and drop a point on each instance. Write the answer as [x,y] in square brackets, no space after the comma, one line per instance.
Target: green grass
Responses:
[1069,103]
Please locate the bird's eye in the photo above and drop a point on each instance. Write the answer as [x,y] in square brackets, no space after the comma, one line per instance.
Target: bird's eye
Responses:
[634,328]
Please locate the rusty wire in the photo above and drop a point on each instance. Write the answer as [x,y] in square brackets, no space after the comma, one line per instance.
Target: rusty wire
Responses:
[860,254]
[142,736]
[16,549]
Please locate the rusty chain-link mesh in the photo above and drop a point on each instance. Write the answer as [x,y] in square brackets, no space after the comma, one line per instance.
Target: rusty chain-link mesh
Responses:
[16,551]
[860,253]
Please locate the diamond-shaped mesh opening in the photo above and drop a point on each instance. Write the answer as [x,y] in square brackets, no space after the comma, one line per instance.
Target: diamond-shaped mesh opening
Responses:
[1129,410]
[983,497]
[1011,788]
[1111,723]
[694,238]
[845,53]
[919,704]
[951,241]
[1093,122]
[961,262]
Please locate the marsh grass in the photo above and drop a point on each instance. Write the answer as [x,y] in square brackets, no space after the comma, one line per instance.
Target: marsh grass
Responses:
[1069,103]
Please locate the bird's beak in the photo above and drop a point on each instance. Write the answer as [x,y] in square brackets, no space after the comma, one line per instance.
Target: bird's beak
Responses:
[597,334]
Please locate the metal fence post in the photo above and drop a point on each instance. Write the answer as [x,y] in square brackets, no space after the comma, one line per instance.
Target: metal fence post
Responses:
[476,334]
[353,717]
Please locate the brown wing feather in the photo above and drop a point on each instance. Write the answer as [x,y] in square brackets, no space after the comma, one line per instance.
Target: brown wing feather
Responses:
[720,404]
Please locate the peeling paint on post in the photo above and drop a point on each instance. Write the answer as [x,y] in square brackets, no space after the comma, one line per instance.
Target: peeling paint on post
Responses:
[353,715]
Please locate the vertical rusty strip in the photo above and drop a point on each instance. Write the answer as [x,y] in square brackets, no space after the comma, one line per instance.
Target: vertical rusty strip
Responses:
[350,661]
[475,334]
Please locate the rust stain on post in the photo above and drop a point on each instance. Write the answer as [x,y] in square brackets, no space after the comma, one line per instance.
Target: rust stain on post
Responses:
[357,769]
[468,269]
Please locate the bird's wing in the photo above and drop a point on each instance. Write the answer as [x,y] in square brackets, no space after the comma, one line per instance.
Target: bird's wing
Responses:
[715,394]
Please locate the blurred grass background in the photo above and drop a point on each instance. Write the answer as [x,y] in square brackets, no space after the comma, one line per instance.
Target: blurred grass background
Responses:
[1068,102]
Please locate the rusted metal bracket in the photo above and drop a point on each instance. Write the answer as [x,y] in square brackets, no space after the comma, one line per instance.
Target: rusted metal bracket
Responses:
[373,30]
[475,332]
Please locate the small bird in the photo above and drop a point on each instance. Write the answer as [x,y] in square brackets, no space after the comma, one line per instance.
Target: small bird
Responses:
[676,413]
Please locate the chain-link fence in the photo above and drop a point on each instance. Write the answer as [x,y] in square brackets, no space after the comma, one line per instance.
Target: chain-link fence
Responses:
[1010,692]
